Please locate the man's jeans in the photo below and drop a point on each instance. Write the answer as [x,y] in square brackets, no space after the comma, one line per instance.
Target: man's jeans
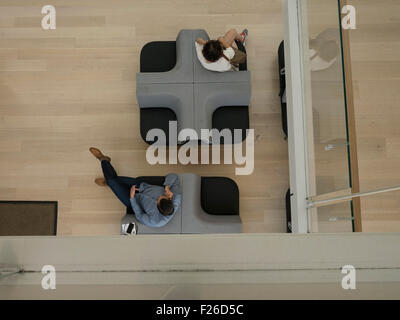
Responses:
[121,186]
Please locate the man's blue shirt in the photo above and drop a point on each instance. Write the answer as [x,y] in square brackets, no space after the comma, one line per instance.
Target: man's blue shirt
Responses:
[144,203]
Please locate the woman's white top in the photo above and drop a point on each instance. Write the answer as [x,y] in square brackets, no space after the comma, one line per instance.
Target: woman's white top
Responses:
[221,65]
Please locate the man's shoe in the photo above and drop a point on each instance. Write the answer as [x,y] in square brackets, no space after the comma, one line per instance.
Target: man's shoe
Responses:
[244,35]
[98,154]
[100,182]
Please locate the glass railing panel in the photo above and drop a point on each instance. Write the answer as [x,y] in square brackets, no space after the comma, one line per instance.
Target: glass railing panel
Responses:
[328,103]
[334,218]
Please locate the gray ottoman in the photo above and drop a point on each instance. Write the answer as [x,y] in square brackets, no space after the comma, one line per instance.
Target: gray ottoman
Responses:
[209,205]
[190,91]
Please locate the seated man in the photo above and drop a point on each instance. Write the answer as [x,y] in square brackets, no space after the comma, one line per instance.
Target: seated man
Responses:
[154,206]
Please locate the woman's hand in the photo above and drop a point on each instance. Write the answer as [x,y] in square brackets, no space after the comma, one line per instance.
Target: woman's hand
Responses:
[201,41]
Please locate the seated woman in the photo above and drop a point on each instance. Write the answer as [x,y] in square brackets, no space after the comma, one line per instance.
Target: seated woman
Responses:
[222,54]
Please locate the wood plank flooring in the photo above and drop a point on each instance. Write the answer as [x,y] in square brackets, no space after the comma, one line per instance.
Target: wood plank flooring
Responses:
[64,90]
[375,52]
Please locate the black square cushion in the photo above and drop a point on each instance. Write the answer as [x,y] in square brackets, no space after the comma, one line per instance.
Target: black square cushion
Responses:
[154,180]
[282,86]
[281,64]
[288,212]
[231,117]
[152,118]
[158,56]
[219,196]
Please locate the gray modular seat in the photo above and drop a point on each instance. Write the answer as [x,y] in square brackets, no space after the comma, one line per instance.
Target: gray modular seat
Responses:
[177,98]
[171,77]
[229,99]
[209,205]
[156,59]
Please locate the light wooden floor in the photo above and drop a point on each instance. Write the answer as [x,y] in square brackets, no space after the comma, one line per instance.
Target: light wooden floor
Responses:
[375,51]
[64,90]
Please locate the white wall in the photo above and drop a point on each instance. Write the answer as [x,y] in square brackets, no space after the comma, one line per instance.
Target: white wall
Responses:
[202,266]
[310,284]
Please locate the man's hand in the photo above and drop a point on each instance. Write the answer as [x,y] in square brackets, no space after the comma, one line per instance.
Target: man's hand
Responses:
[133,191]
[168,193]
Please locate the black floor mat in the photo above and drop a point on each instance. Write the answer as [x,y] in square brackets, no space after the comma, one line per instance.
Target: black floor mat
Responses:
[28,218]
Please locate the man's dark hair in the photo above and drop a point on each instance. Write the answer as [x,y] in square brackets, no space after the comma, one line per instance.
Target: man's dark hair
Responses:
[213,50]
[166,207]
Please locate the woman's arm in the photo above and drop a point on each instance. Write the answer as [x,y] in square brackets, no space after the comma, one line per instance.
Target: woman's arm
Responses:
[201,41]
[229,38]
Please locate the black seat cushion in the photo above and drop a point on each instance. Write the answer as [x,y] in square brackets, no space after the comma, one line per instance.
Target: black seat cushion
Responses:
[219,196]
[158,56]
[284,118]
[154,180]
[281,64]
[288,212]
[282,86]
[152,118]
[231,117]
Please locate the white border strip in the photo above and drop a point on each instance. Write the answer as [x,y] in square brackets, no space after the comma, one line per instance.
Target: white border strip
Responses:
[235,252]
[296,117]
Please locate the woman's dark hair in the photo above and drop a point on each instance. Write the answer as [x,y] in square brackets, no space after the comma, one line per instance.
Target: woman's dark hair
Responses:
[213,50]
[166,207]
